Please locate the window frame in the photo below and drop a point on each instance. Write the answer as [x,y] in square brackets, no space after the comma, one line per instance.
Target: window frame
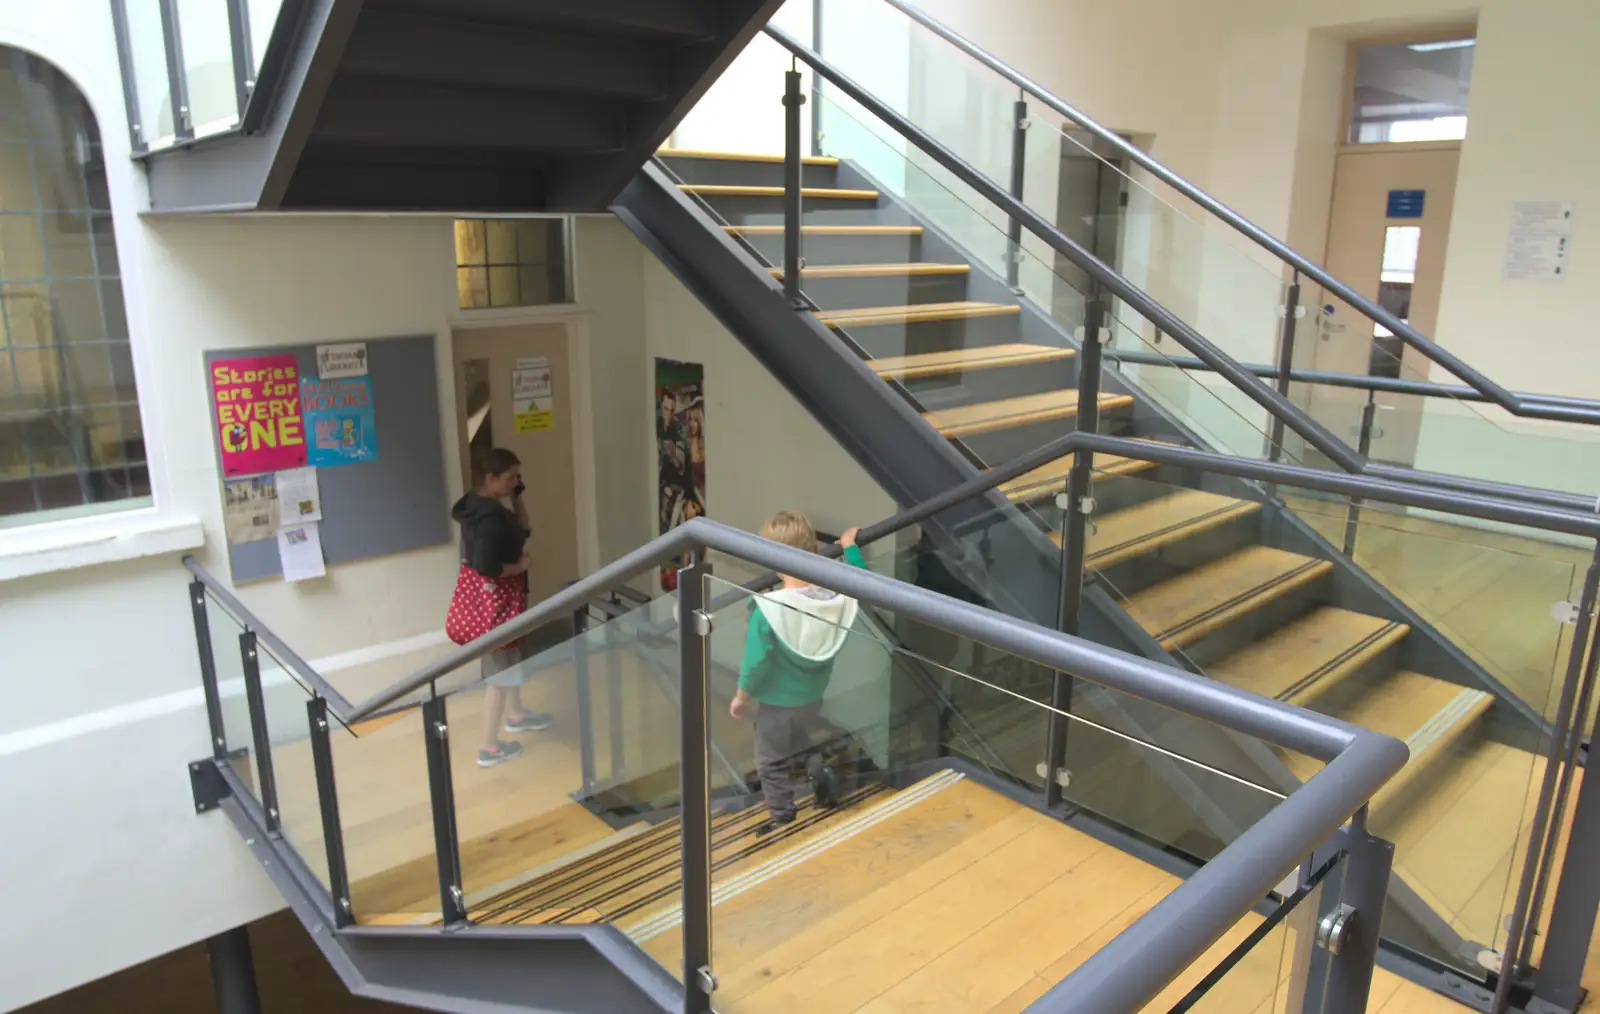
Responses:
[128,529]
[1444,31]
[568,266]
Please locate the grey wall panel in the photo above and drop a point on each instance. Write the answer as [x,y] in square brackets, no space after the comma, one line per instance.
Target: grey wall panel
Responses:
[398,502]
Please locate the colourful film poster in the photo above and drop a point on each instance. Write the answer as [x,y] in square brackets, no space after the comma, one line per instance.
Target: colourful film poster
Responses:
[339,419]
[681,450]
[257,404]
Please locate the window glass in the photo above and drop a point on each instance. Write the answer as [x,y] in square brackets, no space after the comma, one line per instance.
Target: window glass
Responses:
[71,441]
[511,262]
[1398,274]
[1411,91]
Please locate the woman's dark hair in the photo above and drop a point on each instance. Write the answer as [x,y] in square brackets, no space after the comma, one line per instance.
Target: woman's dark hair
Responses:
[495,461]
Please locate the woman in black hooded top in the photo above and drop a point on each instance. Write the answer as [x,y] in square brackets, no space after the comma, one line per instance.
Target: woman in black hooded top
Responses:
[494,541]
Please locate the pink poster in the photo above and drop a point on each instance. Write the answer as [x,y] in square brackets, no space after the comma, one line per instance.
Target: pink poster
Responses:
[257,400]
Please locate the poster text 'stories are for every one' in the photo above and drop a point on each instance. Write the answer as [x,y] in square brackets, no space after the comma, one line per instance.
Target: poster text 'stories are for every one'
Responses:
[258,414]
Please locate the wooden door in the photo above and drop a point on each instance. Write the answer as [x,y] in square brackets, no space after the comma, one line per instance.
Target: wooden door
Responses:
[488,363]
[1387,232]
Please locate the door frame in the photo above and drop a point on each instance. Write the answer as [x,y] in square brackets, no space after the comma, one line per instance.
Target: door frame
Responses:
[576,319]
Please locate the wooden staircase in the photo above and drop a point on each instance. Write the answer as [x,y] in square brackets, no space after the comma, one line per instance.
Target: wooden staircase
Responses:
[1198,570]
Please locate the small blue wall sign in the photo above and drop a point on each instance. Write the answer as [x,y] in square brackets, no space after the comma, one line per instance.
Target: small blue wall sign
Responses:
[1406,203]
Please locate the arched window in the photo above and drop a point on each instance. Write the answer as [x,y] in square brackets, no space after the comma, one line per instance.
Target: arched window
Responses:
[70,436]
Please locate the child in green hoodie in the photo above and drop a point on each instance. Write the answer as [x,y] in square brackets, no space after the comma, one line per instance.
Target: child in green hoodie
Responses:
[791,641]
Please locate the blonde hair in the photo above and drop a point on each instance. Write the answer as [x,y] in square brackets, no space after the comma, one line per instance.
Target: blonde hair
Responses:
[791,529]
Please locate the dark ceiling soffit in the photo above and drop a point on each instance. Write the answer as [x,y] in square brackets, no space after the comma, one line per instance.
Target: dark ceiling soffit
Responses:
[442,50]
[591,182]
[672,21]
[252,173]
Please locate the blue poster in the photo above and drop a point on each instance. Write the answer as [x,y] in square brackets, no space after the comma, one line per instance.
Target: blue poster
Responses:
[338,421]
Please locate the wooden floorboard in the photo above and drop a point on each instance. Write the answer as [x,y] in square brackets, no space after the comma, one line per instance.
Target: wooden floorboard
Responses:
[904,270]
[1191,605]
[986,357]
[743,156]
[1051,478]
[1308,657]
[1147,527]
[915,313]
[827,230]
[810,193]
[988,416]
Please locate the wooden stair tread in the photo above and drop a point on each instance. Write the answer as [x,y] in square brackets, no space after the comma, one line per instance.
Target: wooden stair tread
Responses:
[929,364]
[1184,609]
[1428,713]
[737,190]
[1304,659]
[918,268]
[916,313]
[786,857]
[988,416]
[827,230]
[1153,524]
[1051,477]
[742,156]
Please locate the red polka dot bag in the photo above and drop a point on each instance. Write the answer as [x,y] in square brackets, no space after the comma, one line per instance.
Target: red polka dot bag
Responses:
[481,604]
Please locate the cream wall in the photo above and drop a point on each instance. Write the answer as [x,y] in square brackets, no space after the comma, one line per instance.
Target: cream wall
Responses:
[1243,97]
[103,708]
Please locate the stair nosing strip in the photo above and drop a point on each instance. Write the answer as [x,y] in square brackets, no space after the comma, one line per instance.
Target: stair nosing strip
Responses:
[1330,666]
[1237,507]
[1238,600]
[735,886]
[1443,720]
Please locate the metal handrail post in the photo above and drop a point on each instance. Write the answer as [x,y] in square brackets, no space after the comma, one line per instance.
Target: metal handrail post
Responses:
[694,790]
[1577,896]
[177,72]
[1565,724]
[261,739]
[208,670]
[1291,311]
[1019,173]
[442,797]
[243,52]
[1352,519]
[793,163]
[1078,507]
[328,803]
[1351,932]
[581,689]
[816,82]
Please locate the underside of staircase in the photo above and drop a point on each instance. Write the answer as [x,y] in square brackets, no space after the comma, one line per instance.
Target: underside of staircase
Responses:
[458,105]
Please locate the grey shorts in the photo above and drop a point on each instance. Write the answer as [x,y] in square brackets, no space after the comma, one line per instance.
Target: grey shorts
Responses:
[504,668]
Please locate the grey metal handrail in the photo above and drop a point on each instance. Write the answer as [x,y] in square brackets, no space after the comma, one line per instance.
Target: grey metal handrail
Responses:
[1512,402]
[1482,487]
[1268,398]
[1359,381]
[639,561]
[290,659]
[1178,930]
[1213,358]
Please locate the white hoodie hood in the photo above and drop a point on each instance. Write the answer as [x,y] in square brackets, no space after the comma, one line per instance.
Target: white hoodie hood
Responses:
[812,622]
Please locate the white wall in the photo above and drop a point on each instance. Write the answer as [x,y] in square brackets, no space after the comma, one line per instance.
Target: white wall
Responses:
[103,708]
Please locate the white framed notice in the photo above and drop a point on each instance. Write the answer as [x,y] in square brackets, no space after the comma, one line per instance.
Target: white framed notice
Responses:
[1538,240]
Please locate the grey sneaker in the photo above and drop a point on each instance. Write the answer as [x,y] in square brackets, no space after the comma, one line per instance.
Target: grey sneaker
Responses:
[529,721]
[501,753]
